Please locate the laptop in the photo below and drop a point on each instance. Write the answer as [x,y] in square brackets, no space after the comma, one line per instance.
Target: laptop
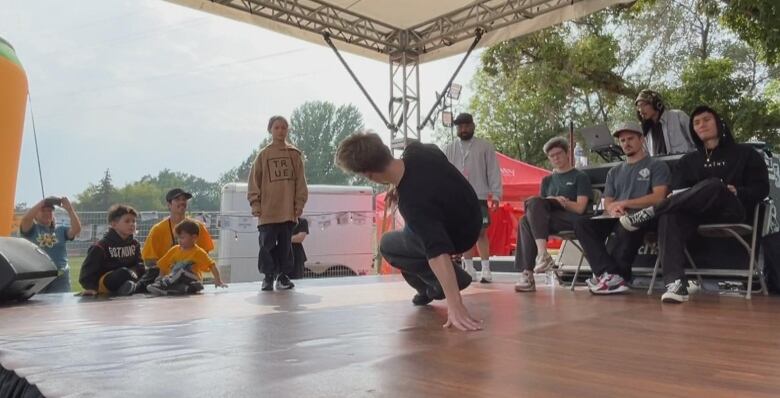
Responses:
[597,137]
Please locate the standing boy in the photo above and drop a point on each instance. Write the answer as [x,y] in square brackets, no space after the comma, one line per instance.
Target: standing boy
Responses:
[277,193]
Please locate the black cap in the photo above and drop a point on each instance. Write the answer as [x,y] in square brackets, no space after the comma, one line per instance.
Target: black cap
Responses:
[463,118]
[175,192]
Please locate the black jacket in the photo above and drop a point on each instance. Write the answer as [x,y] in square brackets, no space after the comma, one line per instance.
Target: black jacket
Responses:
[109,254]
[735,164]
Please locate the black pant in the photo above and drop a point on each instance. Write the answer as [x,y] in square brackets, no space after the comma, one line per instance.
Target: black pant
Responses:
[113,280]
[541,218]
[279,236]
[405,251]
[679,215]
[615,256]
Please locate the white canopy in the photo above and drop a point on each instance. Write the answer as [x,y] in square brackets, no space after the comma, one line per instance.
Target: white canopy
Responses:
[433,29]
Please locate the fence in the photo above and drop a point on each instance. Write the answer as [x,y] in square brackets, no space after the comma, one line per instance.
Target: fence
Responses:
[94,224]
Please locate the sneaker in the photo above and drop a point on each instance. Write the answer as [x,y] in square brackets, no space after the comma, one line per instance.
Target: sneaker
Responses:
[632,222]
[421,299]
[471,271]
[126,289]
[592,281]
[159,287]
[268,283]
[526,283]
[486,276]
[183,287]
[147,279]
[676,292]
[435,291]
[544,263]
[610,284]
[283,282]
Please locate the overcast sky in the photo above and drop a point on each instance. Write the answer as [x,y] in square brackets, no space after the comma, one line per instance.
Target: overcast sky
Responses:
[141,85]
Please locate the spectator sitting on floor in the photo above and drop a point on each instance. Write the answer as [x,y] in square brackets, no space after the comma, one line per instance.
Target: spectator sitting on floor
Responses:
[113,264]
[564,197]
[182,267]
[720,182]
[162,237]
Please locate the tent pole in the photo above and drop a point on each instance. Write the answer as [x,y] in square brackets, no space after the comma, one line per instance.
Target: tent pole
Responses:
[477,38]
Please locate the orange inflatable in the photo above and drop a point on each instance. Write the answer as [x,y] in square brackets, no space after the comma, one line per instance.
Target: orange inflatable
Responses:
[13,98]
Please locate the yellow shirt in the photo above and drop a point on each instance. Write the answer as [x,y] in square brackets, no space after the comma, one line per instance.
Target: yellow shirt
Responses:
[197,257]
[160,240]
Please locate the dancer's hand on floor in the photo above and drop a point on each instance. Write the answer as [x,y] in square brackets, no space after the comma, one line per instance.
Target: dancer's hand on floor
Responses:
[458,316]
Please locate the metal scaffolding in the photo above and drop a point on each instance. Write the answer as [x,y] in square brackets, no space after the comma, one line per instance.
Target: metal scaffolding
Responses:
[405,48]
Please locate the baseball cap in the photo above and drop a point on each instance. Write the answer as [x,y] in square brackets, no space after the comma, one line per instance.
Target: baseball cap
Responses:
[627,126]
[175,192]
[463,118]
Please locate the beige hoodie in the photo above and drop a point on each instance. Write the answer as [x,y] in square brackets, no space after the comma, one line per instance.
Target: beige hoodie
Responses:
[277,188]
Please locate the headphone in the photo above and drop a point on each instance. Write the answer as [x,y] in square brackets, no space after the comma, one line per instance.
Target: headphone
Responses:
[655,101]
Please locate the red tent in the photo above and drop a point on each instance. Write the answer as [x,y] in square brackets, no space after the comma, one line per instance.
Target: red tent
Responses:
[521,180]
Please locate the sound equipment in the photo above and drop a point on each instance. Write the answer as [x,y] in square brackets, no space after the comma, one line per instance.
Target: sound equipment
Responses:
[24,269]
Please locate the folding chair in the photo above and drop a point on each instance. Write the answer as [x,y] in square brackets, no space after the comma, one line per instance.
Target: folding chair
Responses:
[738,232]
[570,237]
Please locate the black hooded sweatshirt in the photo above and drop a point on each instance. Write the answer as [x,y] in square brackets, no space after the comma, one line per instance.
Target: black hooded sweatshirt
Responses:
[735,164]
[109,254]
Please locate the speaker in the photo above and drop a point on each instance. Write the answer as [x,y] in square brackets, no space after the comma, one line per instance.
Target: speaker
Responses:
[25,269]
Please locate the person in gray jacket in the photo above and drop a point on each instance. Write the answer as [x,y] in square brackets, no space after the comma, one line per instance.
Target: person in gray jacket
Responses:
[666,130]
[476,159]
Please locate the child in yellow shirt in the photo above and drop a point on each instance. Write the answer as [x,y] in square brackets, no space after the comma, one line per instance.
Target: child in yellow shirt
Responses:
[182,267]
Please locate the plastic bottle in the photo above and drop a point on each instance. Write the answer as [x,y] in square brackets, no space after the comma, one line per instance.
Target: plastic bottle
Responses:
[580,158]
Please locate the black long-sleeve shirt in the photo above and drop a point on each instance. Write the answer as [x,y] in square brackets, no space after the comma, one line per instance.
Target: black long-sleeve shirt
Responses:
[735,164]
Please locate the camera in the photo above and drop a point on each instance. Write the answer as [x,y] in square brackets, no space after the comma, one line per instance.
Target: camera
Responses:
[53,201]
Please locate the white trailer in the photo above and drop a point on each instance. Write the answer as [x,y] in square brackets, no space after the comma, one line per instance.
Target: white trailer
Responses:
[341,232]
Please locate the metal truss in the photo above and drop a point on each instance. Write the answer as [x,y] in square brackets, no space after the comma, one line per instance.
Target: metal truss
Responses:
[403,47]
[404,99]
[320,17]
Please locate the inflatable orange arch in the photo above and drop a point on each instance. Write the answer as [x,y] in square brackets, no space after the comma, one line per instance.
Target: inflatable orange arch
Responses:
[13,98]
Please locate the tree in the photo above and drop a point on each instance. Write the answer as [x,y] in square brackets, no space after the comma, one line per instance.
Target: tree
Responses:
[589,71]
[98,197]
[757,22]
[316,128]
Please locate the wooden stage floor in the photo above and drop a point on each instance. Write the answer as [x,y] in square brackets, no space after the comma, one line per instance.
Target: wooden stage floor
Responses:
[361,337]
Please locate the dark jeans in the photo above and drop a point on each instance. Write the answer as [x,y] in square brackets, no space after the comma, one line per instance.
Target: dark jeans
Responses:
[679,215]
[279,236]
[405,251]
[615,256]
[61,284]
[541,218]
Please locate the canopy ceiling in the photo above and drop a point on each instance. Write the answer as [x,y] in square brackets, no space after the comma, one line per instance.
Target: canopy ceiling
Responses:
[432,29]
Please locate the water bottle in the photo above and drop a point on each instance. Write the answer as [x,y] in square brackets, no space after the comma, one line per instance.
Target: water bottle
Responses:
[580,159]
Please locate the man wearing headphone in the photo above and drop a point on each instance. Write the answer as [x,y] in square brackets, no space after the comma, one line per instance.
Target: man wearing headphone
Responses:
[666,130]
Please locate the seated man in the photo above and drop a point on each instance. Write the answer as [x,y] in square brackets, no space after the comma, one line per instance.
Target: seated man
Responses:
[639,182]
[723,181]
[564,197]
[441,212]
[162,238]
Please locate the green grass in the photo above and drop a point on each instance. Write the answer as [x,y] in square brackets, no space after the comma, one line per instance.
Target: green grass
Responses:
[75,269]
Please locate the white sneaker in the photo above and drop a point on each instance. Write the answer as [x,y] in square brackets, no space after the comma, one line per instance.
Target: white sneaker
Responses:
[526,283]
[544,263]
[471,271]
[487,277]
